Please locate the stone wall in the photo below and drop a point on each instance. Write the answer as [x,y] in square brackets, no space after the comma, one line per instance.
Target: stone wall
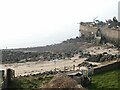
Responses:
[111,35]
[108,67]
[86,30]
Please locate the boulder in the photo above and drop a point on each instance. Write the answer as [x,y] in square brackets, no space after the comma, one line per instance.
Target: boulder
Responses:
[62,81]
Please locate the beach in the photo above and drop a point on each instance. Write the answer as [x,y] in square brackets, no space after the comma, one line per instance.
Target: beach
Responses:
[40,66]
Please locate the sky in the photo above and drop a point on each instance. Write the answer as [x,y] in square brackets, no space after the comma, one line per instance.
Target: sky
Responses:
[31,23]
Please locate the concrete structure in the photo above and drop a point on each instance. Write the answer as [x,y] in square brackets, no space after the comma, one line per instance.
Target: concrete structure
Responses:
[119,11]
[10,75]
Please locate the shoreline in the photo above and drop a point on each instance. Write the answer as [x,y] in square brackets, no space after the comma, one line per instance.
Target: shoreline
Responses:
[35,67]
[28,68]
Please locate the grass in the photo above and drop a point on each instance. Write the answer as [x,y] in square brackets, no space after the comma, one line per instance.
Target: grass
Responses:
[31,82]
[108,79]
[100,81]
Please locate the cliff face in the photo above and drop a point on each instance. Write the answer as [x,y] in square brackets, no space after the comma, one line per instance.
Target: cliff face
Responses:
[110,34]
[86,30]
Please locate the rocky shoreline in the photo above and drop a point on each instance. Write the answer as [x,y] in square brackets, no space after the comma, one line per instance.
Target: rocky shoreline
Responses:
[63,56]
[93,54]
[66,49]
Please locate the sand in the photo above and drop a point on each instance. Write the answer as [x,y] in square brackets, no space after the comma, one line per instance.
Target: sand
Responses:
[41,66]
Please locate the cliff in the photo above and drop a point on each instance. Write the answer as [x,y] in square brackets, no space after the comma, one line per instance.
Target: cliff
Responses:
[111,35]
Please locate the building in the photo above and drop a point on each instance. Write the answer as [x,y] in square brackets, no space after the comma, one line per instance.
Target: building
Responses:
[119,11]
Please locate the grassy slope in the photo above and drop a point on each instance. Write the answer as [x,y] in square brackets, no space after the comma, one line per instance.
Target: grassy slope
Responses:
[31,82]
[103,80]
[108,79]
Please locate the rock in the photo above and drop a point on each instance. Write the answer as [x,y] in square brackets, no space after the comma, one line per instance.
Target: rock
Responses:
[62,81]
[104,52]
[85,81]
[102,59]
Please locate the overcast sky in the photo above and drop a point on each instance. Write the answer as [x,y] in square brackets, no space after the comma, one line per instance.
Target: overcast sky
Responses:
[29,23]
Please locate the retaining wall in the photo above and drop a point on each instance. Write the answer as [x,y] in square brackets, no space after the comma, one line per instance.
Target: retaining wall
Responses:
[108,67]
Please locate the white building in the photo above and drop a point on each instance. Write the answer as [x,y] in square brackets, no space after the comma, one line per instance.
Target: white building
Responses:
[119,11]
